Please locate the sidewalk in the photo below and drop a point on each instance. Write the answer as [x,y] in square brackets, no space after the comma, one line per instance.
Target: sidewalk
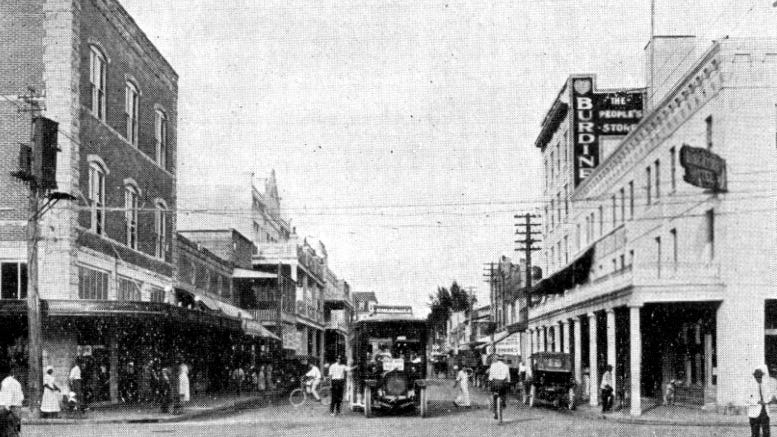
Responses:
[666,415]
[658,415]
[200,406]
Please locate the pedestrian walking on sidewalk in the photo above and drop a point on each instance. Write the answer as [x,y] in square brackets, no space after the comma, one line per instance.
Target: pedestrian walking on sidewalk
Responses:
[184,394]
[238,376]
[261,379]
[11,398]
[462,380]
[606,387]
[165,390]
[337,372]
[758,400]
[76,384]
[49,405]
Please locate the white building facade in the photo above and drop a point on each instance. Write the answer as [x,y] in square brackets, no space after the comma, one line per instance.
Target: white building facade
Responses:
[644,271]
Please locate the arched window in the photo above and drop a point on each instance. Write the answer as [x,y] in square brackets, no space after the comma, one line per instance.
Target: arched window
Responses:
[131,196]
[97,172]
[160,229]
[131,97]
[160,136]
[97,70]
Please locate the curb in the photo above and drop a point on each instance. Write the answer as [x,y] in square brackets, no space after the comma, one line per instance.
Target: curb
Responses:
[226,408]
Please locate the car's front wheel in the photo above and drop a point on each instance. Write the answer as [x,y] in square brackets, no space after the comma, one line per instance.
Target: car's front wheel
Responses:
[532,396]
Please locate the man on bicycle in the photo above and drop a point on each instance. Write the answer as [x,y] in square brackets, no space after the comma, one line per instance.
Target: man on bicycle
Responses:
[312,380]
[499,381]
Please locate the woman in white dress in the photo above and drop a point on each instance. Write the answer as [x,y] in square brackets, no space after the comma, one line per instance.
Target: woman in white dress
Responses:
[49,405]
[261,380]
[462,380]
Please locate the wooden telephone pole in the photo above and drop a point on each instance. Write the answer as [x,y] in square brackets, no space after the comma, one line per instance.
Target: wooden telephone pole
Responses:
[528,229]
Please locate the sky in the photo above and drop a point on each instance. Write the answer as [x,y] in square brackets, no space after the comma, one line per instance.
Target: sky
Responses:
[401,132]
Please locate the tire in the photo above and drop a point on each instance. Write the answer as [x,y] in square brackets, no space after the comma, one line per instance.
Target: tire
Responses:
[532,396]
[571,400]
[367,402]
[297,397]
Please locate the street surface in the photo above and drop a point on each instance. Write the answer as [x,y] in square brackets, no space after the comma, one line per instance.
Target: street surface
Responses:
[445,420]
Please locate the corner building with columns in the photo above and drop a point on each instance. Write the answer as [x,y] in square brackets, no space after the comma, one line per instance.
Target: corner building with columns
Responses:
[659,226]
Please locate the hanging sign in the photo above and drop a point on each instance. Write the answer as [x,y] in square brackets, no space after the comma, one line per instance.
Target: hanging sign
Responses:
[703,168]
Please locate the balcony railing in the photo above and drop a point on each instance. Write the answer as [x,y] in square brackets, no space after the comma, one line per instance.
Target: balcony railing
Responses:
[665,280]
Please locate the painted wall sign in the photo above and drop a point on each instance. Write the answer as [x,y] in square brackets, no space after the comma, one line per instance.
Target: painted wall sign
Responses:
[597,114]
[703,168]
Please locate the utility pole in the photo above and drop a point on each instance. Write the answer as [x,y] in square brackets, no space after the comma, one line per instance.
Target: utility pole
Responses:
[34,347]
[490,275]
[37,168]
[528,229]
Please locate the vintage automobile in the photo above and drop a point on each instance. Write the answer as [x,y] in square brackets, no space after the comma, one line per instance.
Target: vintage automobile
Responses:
[389,357]
[552,380]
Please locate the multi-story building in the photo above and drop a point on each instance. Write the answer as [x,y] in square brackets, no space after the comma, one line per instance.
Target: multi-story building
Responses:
[305,268]
[648,272]
[108,253]
[338,315]
[211,278]
[365,302]
[225,206]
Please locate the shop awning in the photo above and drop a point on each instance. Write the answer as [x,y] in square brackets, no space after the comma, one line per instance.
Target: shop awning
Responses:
[252,274]
[567,278]
[207,302]
[234,311]
[255,329]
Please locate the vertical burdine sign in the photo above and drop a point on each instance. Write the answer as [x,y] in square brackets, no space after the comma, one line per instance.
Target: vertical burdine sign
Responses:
[584,138]
[597,114]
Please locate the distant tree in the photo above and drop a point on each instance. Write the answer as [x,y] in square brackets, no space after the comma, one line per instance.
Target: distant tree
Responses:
[440,305]
[460,299]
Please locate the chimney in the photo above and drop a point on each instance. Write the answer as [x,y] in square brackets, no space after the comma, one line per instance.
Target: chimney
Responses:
[668,58]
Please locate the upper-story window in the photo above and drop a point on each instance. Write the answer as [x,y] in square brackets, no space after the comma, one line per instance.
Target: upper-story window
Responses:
[649,181]
[708,129]
[131,197]
[160,229]
[131,97]
[160,137]
[658,179]
[97,196]
[97,73]
[673,168]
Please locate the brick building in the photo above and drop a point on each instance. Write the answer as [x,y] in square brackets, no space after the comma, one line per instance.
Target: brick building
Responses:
[107,258]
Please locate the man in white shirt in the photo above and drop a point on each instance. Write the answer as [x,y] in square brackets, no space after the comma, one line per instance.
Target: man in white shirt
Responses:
[499,380]
[758,400]
[11,397]
[313,379]
[337,373]
[74,379]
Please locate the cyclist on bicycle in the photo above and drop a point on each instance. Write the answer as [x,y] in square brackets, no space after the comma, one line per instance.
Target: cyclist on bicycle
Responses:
[499,381]
[312,381]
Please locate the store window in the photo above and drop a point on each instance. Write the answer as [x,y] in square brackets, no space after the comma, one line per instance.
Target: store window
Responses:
[13,280]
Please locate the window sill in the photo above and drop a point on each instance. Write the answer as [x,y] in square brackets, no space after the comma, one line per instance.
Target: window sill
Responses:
[129,144]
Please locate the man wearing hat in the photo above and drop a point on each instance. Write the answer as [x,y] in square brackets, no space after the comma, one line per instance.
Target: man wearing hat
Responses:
[499,380]
[759,397]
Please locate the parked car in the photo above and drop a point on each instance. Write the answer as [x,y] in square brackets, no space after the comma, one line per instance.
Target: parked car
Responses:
[552,381]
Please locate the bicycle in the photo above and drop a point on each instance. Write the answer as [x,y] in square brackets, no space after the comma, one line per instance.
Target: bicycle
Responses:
[299,396]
